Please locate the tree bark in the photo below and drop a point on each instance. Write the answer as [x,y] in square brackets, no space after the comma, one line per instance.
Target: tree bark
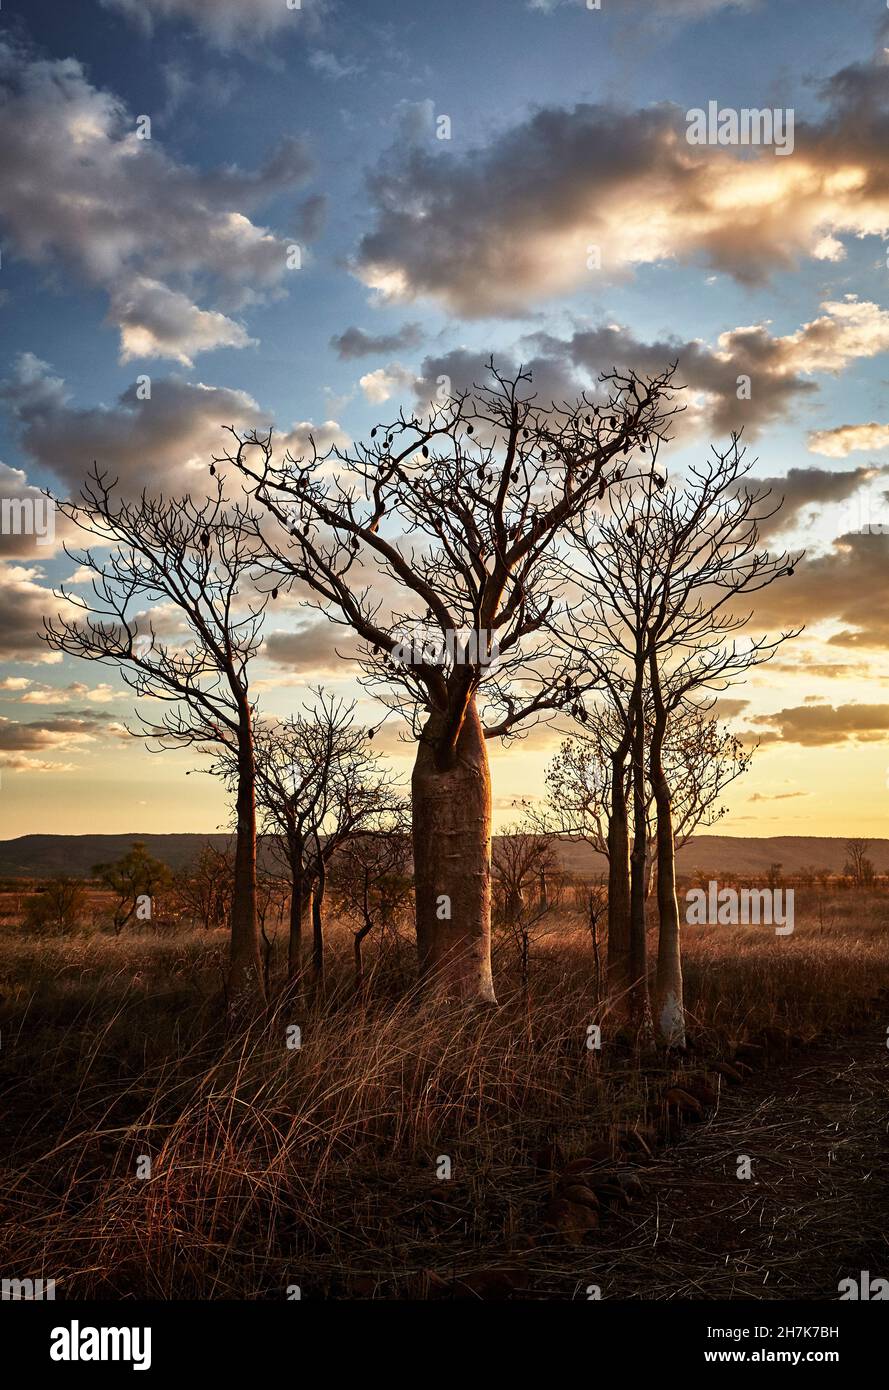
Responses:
[245,966]
[363,931]
[318,919]
[300,896]
[451,822]
[300,916]
[641,1003]
[669,1004]
[619,973]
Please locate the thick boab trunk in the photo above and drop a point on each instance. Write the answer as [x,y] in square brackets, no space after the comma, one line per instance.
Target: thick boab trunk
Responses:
[452,864]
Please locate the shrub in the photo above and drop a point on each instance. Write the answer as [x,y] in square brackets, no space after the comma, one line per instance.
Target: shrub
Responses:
[57,907]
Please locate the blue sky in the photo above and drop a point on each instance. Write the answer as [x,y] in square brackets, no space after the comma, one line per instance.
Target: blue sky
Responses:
[484,65]
[317,127]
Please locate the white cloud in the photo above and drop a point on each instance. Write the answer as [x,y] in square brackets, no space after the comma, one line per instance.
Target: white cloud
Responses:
[329,65]
[22,762]
[780,368]
[165,441]
[122,214]
[582,196]
[162,441]
[326,435]
[24,602]
[380,385]
[156,321]
[838,443]
[224,21]
[42,694]
[30,527]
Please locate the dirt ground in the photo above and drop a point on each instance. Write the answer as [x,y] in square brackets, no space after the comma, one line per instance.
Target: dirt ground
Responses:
[814,1210]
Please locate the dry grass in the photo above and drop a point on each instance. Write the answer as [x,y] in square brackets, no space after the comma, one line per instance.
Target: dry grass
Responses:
[317,1166]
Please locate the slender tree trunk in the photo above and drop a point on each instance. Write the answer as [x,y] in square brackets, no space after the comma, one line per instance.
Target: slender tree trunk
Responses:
[357,943]
[300,906]
[650,872]
[638,941]
[619,973]
[300,919]
[594,933]
[669,1004]
[318,920]
[363,931]
[245,968]
[452,864]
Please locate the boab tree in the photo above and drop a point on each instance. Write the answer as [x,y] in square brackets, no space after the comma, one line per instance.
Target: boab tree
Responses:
[605,634]
[194,556]
[457,515]
[667,571]
[701,758]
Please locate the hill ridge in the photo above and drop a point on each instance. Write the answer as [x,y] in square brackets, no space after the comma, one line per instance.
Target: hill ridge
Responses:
[36,855]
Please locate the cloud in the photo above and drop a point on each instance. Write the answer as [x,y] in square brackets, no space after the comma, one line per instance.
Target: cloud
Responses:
[58,731]
[42,694]
[771,366]
[155,321]
[553,375]
[843,440]
[525,217]
[297,440]
[312,648]
[24,602]
[776,369]
[777,796]
[662,9]
[806,490]
[162,442]
[123,215]
[354,342]
[327,64]
[30,526]
[22,762]
[830,670]
[727,707]
[378,386]
[224,21]
[311,216]
[199,87]
[818,725]
[414,120]
[846,587]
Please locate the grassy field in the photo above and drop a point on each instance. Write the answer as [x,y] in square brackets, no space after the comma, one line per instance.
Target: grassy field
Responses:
[323,1165]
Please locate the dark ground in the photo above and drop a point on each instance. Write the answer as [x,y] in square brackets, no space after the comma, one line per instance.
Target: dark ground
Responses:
[816,1209]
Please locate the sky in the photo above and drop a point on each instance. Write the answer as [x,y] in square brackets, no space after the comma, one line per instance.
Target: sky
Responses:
[303,215]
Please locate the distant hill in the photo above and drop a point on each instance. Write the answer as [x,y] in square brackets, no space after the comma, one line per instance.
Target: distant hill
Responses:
[41,856]
[746,854]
